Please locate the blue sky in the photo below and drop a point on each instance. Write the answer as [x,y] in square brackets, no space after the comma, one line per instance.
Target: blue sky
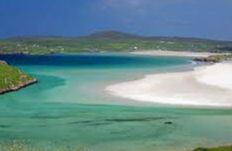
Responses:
[186,18]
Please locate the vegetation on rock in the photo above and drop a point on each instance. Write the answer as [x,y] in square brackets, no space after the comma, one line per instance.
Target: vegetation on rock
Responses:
[214,58]
[12,79]
[224,148]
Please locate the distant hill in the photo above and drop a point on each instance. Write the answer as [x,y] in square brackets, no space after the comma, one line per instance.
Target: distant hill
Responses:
[108,41]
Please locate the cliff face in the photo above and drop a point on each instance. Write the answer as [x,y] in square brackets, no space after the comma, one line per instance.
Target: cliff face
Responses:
[13,79]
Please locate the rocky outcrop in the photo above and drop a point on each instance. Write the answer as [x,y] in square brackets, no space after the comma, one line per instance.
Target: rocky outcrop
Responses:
[214,58]
[13,79]
[3,63]
[18,87]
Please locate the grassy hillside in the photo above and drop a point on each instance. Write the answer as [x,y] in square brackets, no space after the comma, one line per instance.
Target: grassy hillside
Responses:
[108,41]
[12,78]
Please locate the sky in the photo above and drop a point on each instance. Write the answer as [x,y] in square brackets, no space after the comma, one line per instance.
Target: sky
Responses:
[185,18]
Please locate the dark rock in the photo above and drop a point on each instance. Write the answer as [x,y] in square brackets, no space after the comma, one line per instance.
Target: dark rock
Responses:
[168,123]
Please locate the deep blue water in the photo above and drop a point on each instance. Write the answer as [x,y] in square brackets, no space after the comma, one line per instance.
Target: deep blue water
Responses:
[93,60]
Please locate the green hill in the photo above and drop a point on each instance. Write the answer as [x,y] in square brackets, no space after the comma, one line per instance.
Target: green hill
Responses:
[12,79]
[108,41]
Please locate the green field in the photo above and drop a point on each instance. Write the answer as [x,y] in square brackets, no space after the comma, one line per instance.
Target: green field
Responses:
[12,77]
[108,41]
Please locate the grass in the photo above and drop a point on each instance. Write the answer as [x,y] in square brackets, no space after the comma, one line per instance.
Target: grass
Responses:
[224,148]
[83,45]
[12,77]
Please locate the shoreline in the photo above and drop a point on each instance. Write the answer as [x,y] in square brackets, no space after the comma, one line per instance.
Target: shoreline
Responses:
[201,87]
[175,53]
[136,52]
[19,87]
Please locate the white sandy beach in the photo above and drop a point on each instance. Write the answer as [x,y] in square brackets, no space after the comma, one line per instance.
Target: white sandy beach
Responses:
[174,53]
[204,86]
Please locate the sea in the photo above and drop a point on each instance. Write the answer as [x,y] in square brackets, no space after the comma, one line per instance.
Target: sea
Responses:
[70,110]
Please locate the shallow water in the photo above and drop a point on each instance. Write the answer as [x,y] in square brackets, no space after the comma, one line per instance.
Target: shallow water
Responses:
[69,110]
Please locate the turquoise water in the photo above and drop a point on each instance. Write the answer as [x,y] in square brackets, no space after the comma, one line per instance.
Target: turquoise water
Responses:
[69,110]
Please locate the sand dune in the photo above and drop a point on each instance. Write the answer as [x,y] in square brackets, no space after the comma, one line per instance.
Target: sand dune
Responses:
[204,86]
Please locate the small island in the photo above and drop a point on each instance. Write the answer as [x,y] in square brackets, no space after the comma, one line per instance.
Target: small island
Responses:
[13,79]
